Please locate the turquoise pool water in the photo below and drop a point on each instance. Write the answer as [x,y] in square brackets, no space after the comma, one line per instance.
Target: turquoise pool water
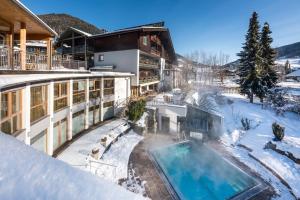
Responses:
[196,173]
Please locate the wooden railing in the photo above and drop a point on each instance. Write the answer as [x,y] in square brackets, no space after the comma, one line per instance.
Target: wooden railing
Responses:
[36,61]
[148,79]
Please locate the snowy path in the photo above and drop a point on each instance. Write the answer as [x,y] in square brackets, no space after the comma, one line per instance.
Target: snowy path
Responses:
[118,155]
[78,151]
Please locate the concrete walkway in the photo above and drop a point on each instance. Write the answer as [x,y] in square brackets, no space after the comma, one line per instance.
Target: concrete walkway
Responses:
[78,151]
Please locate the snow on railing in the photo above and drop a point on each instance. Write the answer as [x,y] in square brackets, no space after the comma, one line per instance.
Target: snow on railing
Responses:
[96,167]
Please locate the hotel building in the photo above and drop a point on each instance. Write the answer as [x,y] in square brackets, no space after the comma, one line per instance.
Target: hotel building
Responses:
[47,99]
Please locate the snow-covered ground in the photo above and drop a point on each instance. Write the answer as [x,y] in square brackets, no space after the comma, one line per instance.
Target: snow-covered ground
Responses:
[259,134]
[113,165]
[294,62]
[79,150]
[118,155]
[26,173]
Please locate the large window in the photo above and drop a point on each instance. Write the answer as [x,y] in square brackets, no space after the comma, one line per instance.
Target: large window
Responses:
[78,122]
[95,88]
[108,104]
[60,133]
[11,112]
[38,105]
[60,96]
[78,92]
[39,142]
[109,86]
[94,115]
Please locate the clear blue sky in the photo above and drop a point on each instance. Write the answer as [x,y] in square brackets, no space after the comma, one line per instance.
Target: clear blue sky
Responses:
[204,25]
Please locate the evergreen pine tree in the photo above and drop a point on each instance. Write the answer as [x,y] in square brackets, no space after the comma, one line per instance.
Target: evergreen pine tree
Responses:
[250,60]
[287,67]
[266,71]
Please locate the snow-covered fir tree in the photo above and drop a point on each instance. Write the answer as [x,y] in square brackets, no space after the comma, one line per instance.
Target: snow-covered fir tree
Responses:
[287,67]
[250,60]
[266,70]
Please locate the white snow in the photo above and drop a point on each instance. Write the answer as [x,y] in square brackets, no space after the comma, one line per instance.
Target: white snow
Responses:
[117,155]
[294,62]
[142,121]
[114,163]
[26,173]
[77,153]
[261,133]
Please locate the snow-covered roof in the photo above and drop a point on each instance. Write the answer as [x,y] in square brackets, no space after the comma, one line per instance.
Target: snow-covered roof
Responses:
[294,74]
[81,32]
[289,84]
[294,62]
[26,173]
[129,30]
[13,79]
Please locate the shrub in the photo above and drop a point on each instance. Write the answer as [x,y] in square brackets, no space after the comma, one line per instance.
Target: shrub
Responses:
[278,131]
[136,109]
[245,123]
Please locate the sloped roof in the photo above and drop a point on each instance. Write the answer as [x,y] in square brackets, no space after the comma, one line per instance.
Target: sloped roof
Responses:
[14,12]
[294,74]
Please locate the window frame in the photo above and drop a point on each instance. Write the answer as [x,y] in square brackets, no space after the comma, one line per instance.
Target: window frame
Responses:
[10,113]
[80,93]
[108,90]
[94,92]
[101,57]
[41,104]
[61,96]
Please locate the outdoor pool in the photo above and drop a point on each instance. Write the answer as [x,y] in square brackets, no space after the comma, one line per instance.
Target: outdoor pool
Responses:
[196,172]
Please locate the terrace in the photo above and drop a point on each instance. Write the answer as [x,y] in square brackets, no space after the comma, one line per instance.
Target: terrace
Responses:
[26,41]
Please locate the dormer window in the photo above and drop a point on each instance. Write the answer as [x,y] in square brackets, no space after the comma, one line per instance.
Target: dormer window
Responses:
[101,57]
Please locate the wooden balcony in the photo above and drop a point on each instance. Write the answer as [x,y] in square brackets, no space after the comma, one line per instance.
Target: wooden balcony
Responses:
[148,79]
[36,61]
[148,62]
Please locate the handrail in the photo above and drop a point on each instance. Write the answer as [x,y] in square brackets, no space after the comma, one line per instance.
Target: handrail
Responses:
[114,167]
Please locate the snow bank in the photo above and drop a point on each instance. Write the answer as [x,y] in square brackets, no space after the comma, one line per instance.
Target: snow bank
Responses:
[259,135]
[283,167]
[28,174]
[118,155]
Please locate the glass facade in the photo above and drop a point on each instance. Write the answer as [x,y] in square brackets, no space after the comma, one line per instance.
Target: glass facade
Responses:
[39,142]
[78,122]
[78,91]
[94,115]
[109,87]
[11,112]
[38,104]
[94,89]
[60,96]
[60,133]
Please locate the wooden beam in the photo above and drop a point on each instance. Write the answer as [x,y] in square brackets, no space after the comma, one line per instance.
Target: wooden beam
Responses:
[49,53]
[10,43]
[23,45]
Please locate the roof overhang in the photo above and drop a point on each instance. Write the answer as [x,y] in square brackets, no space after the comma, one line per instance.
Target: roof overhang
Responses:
[13,12]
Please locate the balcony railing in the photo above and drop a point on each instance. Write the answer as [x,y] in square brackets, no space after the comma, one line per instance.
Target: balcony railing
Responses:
[148,62]
[36,61]
[149,79]
[59,62]
[155,51]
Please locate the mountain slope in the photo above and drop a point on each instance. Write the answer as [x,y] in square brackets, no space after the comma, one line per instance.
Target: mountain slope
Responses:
[289,51]
[60,22]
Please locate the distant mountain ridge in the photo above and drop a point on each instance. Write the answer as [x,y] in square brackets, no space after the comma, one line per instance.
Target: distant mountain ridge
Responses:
[61,22]
[289,51]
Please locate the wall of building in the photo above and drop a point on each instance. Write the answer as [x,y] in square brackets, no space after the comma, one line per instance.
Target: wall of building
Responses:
[124,61]
[40,133]
[172,112]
